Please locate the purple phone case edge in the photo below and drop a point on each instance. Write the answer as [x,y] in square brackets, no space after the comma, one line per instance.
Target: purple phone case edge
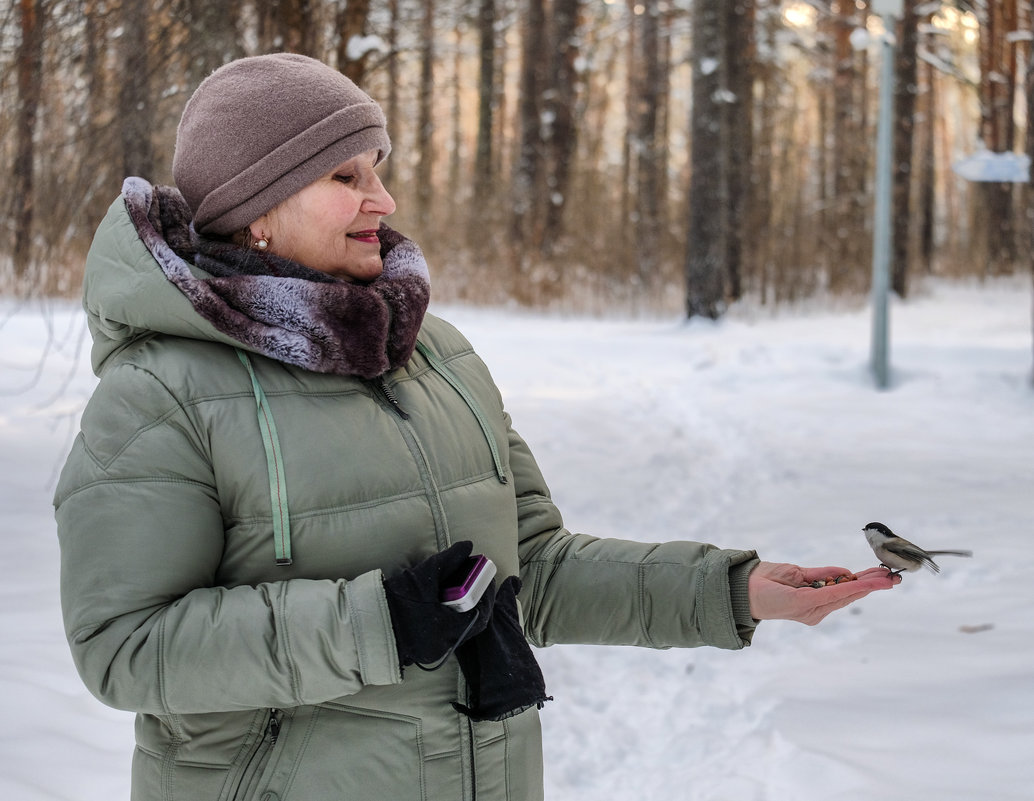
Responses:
[454,593]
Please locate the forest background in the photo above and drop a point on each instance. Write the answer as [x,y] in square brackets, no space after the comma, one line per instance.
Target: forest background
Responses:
[581,155]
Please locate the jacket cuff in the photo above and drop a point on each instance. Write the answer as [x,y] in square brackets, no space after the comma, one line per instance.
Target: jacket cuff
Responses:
[722,601]
[739,596]
[371,626]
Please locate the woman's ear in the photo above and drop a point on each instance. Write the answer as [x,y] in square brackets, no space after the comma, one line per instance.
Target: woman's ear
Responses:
[256,235]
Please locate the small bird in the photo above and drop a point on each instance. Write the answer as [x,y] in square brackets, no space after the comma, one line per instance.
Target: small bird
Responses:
[898,554]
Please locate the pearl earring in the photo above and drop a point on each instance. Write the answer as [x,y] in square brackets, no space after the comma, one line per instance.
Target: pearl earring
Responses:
[262,244]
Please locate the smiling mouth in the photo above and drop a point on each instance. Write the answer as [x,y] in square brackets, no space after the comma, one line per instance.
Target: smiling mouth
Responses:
[369,236]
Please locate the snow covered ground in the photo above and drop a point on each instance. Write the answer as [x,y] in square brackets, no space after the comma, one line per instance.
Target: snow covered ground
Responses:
[761,431]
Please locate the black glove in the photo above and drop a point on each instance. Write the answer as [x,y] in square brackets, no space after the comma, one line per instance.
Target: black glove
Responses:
[501,671]
[427,631]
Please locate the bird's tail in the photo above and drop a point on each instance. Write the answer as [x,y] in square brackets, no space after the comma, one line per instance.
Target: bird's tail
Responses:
[950,553]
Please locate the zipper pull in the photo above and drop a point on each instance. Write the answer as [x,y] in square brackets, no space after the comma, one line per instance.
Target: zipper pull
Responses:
[392,398]
[273,727]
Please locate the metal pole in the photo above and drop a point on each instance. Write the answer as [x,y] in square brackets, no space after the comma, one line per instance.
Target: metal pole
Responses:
[881,247]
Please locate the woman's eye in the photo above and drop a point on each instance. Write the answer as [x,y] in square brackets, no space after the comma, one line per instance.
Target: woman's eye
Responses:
[345,179]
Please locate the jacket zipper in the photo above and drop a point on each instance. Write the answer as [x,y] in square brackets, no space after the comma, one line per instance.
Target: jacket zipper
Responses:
[391,398]
[273,728]
[265,744]
[473,762]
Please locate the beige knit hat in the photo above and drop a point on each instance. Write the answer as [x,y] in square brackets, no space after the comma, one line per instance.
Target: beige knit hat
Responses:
[259,129]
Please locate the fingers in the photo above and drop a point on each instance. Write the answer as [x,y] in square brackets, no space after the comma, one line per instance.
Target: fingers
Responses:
[794,576]
[879,578]
[779,572]
[819,573]
[853,590]
[874,572]
[511,585]
[781,591]
[452,558]
[836,596]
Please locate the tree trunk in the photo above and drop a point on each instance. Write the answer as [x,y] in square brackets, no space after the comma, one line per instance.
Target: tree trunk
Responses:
[298,27]
[288,25]
[455,190]
[646,144]
[213,36]
[761,207]
[737,136]
[484,173]
[561,102]
[1029,92]
[664,112]
[30,90]
[351,22]
[528,176]
[705,251]
[998,131]
[906,89]
[391,109]
[848,267]
[424,173]
[136,105]
[927,181]
[99,168]
[628,150]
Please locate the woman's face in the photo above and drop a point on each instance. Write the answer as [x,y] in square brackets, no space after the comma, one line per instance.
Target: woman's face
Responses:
[331,225]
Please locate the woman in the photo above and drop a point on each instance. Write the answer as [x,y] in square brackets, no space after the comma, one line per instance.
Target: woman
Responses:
[287,460]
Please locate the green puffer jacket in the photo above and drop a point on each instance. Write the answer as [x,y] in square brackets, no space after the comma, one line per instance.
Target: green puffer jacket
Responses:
[258,680]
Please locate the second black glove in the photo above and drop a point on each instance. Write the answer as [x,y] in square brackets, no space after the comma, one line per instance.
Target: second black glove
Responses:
[501,671]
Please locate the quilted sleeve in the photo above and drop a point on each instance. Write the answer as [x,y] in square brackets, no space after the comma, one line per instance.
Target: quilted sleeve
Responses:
[583,589]
[141,538]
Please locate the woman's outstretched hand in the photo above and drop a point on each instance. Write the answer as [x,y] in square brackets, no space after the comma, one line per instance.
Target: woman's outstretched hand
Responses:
[786,592]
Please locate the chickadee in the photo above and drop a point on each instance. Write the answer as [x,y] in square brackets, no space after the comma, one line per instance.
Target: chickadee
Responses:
[898,554]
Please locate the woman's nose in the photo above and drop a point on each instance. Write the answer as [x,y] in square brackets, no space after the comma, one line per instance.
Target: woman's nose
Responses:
[379,200]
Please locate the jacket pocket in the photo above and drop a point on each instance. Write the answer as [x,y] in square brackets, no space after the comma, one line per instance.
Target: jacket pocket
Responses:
[340,752]
[244,786]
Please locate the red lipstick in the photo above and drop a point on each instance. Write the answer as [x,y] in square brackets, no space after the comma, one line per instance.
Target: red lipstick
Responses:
[368,236]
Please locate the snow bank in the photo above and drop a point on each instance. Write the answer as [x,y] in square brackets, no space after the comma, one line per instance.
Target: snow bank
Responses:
[761,432]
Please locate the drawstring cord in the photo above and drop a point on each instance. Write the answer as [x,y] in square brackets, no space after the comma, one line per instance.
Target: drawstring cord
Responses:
[275,465]
[275,459]
[439,367]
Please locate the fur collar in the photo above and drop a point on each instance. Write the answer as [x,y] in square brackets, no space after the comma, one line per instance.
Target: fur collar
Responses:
[284,310]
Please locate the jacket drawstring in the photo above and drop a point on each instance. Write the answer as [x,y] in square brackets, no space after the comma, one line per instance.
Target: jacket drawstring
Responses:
[275,465]
[275,460]
[439,367]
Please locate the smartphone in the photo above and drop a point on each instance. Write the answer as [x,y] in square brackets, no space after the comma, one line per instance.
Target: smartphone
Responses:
[470,584]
